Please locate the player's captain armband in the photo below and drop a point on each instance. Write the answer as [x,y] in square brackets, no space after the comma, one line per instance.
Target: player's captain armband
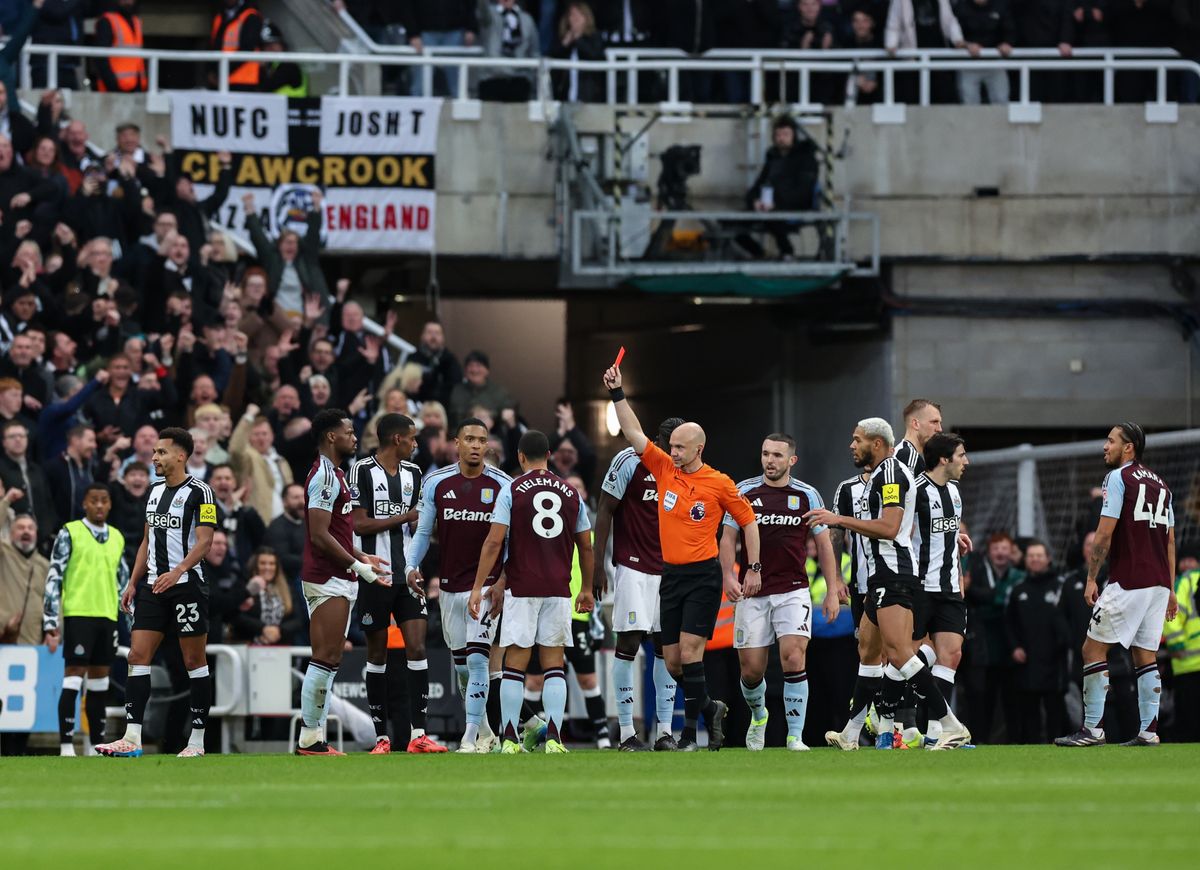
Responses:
[891,493]
[208,513]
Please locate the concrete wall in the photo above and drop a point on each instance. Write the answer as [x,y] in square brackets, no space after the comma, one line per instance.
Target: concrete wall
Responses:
[1018,372]
[1088,180]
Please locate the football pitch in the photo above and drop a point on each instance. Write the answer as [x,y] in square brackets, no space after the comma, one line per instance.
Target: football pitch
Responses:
[992,807]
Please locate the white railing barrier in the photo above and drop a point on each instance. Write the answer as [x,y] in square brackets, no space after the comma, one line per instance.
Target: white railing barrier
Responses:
[757,64]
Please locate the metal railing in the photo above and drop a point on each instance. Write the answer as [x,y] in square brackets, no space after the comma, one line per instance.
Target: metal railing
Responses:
[757,64]
[606,232]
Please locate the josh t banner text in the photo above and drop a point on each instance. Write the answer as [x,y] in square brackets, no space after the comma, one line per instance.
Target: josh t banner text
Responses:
[372,158]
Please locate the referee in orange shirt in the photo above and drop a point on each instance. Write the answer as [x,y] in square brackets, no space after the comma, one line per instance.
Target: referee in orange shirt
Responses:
[693,499]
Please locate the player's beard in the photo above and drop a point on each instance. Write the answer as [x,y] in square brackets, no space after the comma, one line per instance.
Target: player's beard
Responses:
[861,460]
[774,476]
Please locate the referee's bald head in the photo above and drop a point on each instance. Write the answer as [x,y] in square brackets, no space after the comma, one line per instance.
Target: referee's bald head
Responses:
[687,445]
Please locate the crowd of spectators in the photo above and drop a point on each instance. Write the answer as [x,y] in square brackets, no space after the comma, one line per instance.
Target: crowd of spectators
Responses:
[1021,676]
[584,30]
[124,312]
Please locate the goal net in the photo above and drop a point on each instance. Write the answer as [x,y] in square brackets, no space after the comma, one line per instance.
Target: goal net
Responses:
[1052,492]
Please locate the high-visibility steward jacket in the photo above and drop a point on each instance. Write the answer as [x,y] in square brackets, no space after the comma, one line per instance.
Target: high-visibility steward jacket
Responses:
[245,73]
[130,72]
[1183,632]
[300,90]
[90,581]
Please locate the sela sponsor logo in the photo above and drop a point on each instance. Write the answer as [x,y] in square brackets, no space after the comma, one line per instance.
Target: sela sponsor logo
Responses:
[943,525]
[388,509]
[164,521]
[450,514]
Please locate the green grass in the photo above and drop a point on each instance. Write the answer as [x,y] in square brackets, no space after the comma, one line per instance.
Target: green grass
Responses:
[1012,807]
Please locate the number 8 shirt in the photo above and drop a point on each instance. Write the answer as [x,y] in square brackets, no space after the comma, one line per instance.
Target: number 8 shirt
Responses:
[543,514]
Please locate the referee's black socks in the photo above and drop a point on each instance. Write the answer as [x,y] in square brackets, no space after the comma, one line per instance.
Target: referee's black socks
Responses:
[695,698]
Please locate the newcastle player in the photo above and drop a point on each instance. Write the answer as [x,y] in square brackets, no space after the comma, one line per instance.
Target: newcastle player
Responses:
[892,564]
[384,490]
[938,608]
[629,507]
[850,500]
[1136,535]
[778,606]
[922,420]
[173,599]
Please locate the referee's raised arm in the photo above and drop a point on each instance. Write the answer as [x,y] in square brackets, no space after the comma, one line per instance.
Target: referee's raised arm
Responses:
[630,427]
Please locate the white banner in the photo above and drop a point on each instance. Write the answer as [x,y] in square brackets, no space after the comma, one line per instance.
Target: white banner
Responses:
[373,159]
[241,123]
[361,125]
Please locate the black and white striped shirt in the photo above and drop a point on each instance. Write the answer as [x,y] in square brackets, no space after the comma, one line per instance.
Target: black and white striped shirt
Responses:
[892,485]
[908,453]
[935,537]
[172,515]
[384,495]
[850,500]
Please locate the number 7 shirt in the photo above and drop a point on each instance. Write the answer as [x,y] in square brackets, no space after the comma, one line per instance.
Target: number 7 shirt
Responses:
[543,514]
[1144,509]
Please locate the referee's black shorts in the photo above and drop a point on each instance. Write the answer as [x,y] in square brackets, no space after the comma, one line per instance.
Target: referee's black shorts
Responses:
[690,599]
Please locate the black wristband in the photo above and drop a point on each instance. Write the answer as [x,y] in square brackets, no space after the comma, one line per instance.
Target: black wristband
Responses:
[616,394]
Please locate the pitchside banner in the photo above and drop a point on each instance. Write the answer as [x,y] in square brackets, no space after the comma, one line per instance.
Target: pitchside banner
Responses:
[373,158]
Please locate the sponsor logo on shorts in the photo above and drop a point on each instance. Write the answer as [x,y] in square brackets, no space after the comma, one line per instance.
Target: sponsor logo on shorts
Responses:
[632,617]
[669,500]
[741,636]
[79,650]
[368,619]
[697,511]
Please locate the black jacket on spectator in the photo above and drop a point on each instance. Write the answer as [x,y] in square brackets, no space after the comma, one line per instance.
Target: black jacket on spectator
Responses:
[442,372]
[748,24]
[286,537]
[193,217]
[439,15]
[32,378]
[163,280]
[68,480]
[988,24]
[610,21]
[21,131]
[135,409]
[246,625]
[1044,23]
[689,25]
[591,84]
[245,530]
[14,180]
[1036,624]
[129,516]
[792,175]
[1148,25]
[586,466]
[117,216]
[794,29]
[34,484]
[226,593]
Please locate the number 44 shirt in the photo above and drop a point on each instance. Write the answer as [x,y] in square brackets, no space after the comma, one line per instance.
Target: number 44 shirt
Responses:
[1143,507]
[543,514]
